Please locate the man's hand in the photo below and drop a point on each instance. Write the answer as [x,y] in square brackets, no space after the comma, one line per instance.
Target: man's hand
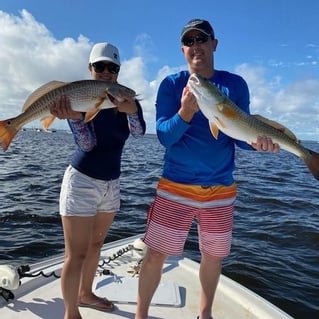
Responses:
[189,105]
[265,144]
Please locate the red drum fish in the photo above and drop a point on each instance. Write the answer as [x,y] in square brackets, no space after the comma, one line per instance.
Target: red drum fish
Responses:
[226,116]
[89,96]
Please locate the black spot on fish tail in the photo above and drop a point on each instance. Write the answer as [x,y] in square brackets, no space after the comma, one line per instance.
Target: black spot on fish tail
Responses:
[312,163]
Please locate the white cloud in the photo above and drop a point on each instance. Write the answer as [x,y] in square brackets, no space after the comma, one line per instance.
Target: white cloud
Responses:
[30,56]
[295,105]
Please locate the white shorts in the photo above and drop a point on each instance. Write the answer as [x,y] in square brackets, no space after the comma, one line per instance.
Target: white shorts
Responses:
[82,195]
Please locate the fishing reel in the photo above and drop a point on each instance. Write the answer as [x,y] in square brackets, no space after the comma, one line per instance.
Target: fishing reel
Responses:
[140,246]
[10,279]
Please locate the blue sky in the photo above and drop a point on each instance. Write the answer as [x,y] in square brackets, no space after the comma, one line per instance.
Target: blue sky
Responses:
[273,44]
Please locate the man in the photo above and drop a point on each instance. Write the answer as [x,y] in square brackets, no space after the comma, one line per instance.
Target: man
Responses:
[197,181]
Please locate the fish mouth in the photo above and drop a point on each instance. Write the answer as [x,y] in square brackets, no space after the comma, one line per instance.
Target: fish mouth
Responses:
[194,78]
[194,83]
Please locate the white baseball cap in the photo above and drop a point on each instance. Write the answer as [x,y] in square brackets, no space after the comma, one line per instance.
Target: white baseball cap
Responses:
[104,52]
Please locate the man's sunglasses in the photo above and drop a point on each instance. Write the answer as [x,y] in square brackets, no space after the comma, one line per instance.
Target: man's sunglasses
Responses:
[189,41]
[99,67]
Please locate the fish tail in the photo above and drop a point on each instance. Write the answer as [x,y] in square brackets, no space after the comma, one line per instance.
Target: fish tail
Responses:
[7,134]
[312,163]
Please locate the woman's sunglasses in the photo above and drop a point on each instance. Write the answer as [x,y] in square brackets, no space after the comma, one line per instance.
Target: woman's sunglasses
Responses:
[189,41]
[99,67]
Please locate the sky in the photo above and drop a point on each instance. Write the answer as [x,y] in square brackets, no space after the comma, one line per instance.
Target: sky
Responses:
[272,44]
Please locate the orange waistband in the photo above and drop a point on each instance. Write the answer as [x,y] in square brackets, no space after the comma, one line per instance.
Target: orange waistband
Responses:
[197,192]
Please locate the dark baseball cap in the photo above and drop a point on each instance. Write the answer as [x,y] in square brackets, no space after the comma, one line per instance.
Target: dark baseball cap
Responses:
[200,25]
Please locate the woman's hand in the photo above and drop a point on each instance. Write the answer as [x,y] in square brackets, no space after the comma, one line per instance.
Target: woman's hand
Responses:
[126,105]
[61,108]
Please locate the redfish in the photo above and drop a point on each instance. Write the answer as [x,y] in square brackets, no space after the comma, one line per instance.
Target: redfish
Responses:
[89,96]
[226,116]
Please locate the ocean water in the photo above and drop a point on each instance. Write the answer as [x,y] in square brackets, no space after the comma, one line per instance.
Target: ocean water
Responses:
[275,249]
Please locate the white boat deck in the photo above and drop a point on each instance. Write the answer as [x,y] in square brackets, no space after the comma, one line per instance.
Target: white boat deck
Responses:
[177,296]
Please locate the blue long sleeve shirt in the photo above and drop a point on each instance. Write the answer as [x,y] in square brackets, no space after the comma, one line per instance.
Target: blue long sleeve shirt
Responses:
[192,154]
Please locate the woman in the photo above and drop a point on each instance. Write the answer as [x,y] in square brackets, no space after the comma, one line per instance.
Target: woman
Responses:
[90,191]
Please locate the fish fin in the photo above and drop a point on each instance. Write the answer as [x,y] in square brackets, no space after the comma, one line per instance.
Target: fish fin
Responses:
[277,126]
[108,102]
[39,92]
[214,129]
[91,114]
[221,123]
[227,110]
[47,121]
[7,133]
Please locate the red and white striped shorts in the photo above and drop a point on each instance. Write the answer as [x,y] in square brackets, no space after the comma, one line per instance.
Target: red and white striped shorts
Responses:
[176,206]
